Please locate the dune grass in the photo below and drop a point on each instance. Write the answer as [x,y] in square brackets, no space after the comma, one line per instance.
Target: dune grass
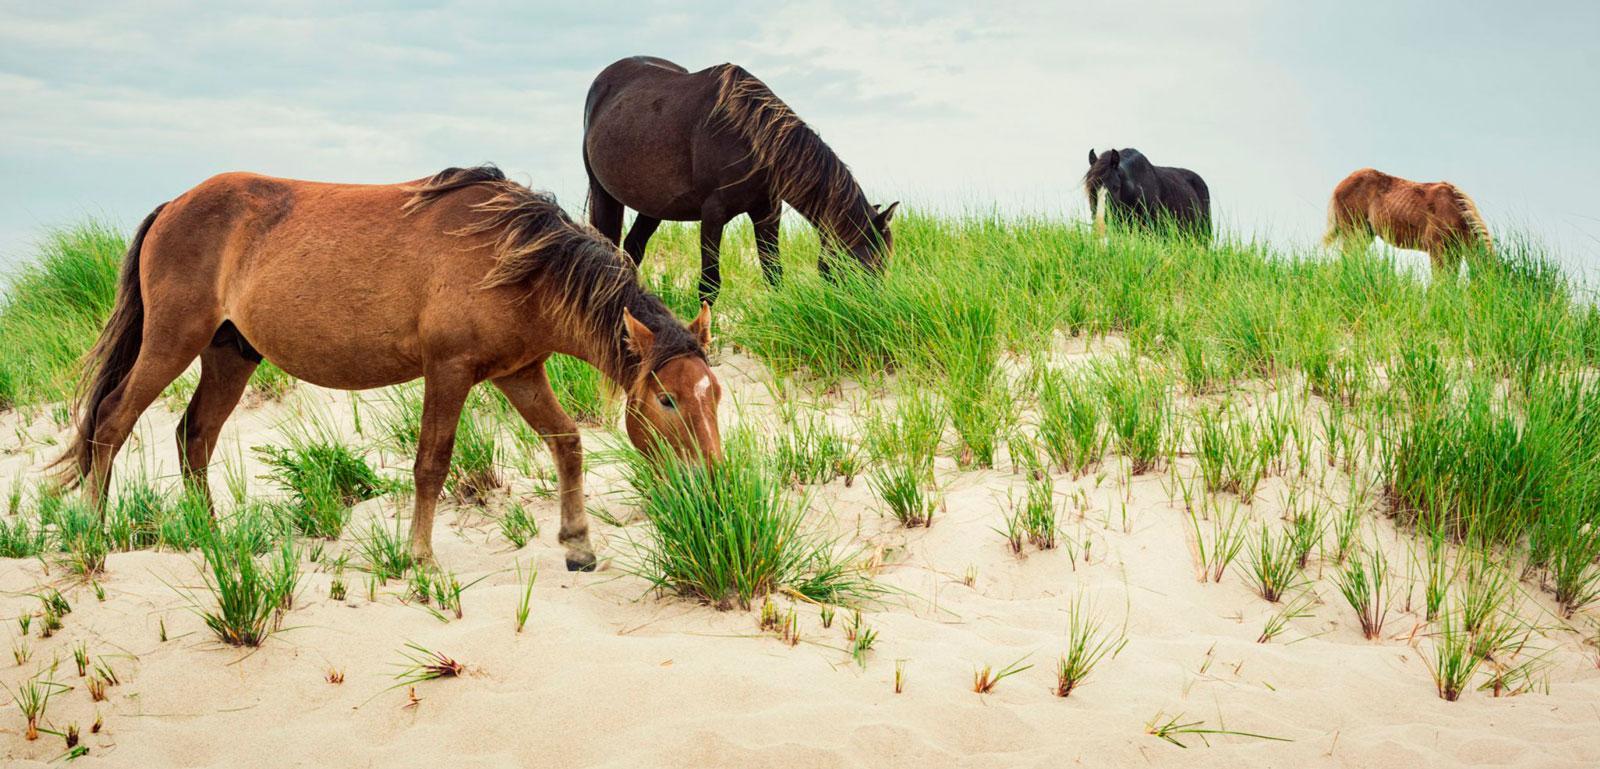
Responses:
[249,592]
[737,534]
[1474,400]
[53,310]
[323,474]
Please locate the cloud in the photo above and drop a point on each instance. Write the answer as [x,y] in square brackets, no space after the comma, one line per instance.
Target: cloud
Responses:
[113,107]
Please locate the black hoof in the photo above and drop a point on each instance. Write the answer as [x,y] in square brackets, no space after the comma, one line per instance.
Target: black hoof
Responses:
[584,562]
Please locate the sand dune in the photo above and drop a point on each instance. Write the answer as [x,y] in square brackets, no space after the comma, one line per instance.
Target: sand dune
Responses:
[609,673]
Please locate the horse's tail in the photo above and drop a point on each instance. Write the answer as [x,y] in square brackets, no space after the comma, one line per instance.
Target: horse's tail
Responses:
[1473,219]
[1332,235]
[107,363]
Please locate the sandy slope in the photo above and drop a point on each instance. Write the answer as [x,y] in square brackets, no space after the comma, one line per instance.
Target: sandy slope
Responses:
[608,674]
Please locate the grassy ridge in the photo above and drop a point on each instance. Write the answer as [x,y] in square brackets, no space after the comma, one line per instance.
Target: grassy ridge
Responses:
[53,309]
[1472,402]
[1477,398]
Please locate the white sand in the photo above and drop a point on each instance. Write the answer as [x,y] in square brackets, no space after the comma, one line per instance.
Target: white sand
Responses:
[610,674]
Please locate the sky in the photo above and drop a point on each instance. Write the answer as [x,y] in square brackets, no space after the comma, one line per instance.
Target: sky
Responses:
[109,109]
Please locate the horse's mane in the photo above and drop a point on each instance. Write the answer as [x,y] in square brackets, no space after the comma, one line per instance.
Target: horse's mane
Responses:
[804,171]
[538,245]
[1469,212]
[1103,164]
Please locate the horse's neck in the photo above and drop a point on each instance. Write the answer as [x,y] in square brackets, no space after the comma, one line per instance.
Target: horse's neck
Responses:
[844,216]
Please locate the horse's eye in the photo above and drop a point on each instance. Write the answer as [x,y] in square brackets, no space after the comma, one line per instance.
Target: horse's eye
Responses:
[666,401]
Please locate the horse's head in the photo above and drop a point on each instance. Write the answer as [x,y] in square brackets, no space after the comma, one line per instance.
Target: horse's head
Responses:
[672,404]
[872,249]
[1119,178]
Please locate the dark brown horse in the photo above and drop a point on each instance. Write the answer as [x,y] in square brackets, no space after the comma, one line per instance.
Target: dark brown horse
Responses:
[711,145]
[1436,217]
[457,278]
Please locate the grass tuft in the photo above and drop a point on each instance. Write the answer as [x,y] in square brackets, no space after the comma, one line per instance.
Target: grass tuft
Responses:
[731,536]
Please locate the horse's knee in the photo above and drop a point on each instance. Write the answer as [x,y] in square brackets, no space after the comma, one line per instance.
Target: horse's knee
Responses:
[566,443]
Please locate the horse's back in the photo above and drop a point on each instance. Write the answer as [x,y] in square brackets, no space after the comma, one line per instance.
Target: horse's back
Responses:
[631,73]
[1185,195]
[288,261]
[641,120]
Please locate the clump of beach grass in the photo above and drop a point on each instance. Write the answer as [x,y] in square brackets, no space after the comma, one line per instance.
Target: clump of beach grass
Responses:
[323,476]
[1139,409]
[1069,421]
[419,663]
[1364,585]
[517,525]
[902,445]
[811,451]
[735,534]
[1217,541]
[32,698]
[248,592]
[986,678]
[1274,566]
[1034,518]
[385,553]
[1089,641]
[53,310]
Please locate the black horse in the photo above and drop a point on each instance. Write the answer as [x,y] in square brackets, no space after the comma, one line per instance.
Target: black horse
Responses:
[1135,190]
[708,146]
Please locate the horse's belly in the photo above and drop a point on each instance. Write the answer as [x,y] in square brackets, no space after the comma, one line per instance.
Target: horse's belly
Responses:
[642,159]
[347,339]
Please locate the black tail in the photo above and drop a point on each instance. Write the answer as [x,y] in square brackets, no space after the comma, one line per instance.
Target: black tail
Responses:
[107,364]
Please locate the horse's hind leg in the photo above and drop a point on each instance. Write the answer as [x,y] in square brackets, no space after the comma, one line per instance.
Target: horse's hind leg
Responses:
[443,395]
[605,212]
[639,237]
[225,370]
[766,221]
[529,392]
[1446,263]
[170,345]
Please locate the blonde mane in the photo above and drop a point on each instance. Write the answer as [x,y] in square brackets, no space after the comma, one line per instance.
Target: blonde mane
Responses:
[804,171]
[536,243]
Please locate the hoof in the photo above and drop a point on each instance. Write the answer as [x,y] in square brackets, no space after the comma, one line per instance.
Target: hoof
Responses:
[580,561]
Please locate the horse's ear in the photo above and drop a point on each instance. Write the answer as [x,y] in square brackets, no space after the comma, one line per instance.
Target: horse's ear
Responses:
[886,214]
[640,337]
[700,327]
[1091,157]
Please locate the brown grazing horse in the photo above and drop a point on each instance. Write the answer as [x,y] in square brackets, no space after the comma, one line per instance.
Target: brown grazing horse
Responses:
[711,145]
[457,278]
[1435,217]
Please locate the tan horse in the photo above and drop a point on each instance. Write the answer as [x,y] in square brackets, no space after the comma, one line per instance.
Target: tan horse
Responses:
[458,278]
[1434,217]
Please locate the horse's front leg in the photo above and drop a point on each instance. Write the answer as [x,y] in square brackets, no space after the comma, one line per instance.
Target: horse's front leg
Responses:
[443,395]
[766,219]
[713,217]
[530,394]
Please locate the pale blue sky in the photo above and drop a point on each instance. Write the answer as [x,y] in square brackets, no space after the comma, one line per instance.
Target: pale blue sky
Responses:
[109,109]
